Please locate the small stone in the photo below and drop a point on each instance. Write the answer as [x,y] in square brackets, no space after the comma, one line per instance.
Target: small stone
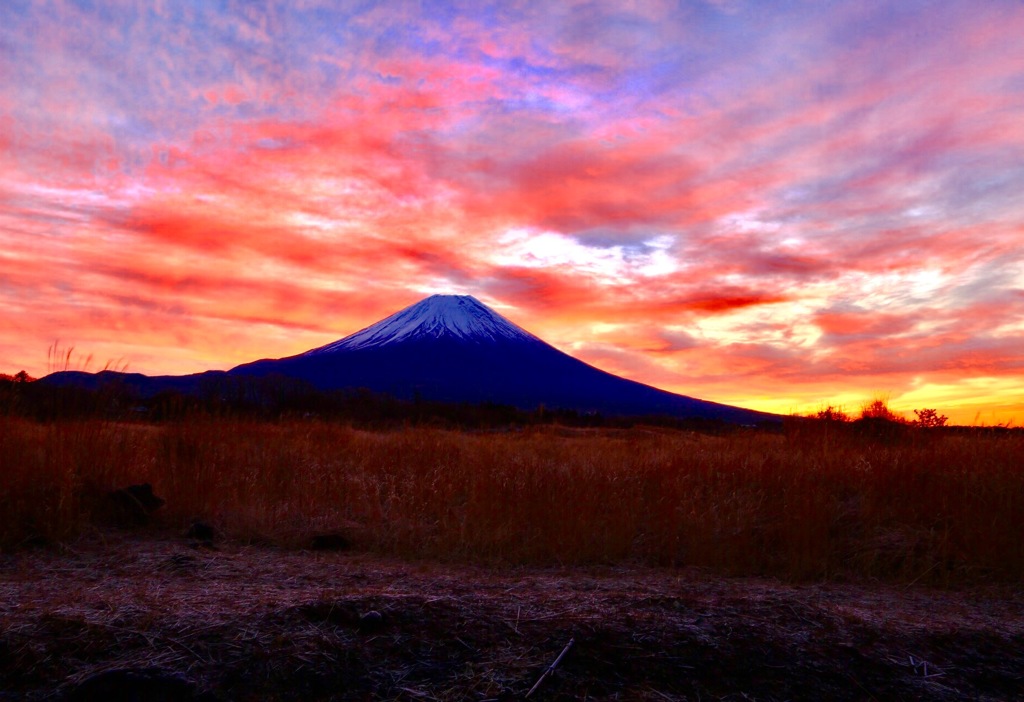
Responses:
[201,531]
[371,621]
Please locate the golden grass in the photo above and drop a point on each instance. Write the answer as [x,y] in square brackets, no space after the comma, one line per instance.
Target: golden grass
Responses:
[944,511]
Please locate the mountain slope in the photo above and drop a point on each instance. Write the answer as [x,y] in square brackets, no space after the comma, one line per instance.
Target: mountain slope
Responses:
[453,348]
[449,348]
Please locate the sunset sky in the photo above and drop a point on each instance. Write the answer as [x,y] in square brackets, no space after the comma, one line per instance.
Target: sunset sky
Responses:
[778,205]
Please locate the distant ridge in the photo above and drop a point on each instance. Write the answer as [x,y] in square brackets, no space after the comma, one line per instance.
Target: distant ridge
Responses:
[452,348]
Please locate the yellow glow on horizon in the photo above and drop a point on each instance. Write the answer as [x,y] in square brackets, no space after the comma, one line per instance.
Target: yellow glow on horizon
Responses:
[1002,405]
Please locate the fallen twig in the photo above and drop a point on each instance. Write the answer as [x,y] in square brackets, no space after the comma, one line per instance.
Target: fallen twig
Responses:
[551,668]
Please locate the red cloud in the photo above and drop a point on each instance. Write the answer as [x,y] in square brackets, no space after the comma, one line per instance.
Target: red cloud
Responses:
[860,323]
[314,198]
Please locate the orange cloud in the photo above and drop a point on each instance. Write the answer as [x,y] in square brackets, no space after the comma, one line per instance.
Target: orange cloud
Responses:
[756,201]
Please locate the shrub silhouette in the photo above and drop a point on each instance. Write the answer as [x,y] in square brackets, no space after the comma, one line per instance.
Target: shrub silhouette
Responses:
[832,414]
[878,423]
[879,409]
[930,419]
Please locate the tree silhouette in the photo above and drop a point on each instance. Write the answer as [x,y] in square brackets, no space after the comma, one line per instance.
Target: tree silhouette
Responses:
[930,418]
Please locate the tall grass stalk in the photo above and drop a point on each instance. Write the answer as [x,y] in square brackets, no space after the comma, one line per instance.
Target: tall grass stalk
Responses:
[944,511]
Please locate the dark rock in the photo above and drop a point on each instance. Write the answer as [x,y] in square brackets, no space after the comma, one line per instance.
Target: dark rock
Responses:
[135,685]
[143,495]
[371,621]
[330,542]
[201,531]
[130,506]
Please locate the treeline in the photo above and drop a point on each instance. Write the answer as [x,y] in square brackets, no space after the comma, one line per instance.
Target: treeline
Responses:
[278,398]
[877,423]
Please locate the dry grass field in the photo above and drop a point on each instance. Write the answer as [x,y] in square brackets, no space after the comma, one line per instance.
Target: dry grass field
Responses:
[807,505]
[814,564]
[243,623]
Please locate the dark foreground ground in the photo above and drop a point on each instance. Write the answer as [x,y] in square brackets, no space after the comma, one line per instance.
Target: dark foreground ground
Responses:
[113,616]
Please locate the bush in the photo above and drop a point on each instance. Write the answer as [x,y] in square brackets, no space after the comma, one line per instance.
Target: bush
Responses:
[929,419]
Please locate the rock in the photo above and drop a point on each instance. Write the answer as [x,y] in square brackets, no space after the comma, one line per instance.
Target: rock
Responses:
[330,542]
[131,506]
[371,621]
[135,685]
[201,531]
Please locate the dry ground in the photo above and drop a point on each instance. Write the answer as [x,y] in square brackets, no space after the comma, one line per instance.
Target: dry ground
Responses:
[251,622]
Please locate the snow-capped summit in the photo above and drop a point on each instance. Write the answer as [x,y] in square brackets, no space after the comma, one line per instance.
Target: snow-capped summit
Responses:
[458,317]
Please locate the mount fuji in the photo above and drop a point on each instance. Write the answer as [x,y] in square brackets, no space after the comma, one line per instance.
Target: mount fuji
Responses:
[452,348]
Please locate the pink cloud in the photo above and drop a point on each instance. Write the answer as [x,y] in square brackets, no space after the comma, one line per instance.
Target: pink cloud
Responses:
[150,197]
